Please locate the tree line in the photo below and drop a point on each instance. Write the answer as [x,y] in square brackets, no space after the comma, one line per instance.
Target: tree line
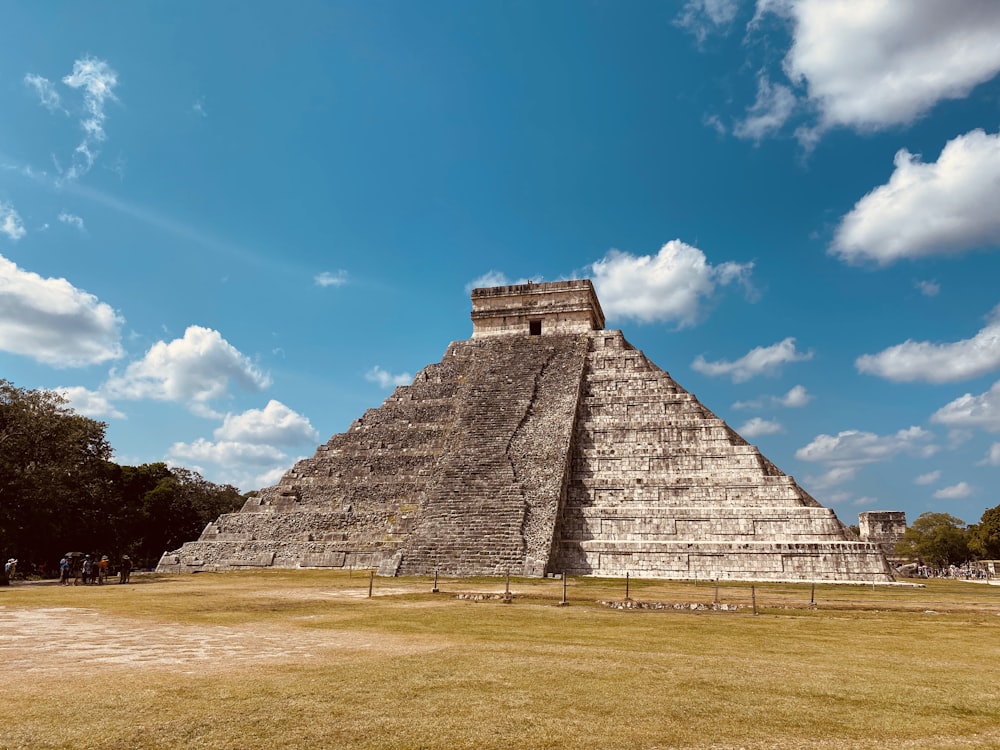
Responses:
[61,492]
[941,539]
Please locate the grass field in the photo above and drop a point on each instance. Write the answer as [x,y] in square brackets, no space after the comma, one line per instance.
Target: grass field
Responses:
[305,659]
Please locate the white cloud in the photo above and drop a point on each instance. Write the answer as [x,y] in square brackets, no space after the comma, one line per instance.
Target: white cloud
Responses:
[928,288]
[386,379]
[757,426]
[981,411]
[72,220]
[226,453]
[941,208]
[854,448]
[89,403]
[97,81]
[194,370]
[835,476]
[497,278]
[48,96]
[10,222]
[927,362]
[337,278]
[761,360]
[796,397]
[671,286]
[703,17]
[53,322]
[929,478]
[872,65]
[955,492]
[275,424]
[246,446]
[992,456]
[775,103]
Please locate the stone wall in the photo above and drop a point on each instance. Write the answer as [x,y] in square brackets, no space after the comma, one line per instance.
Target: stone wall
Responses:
[661,487]
[884,528]
[558,307]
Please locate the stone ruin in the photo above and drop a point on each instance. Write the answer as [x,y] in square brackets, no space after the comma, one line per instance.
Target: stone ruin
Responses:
[544,444]
[884,528]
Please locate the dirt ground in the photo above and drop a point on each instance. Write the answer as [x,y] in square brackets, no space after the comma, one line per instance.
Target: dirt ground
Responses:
[53,640]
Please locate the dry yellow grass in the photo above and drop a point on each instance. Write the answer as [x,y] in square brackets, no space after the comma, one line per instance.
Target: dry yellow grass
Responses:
[306,659]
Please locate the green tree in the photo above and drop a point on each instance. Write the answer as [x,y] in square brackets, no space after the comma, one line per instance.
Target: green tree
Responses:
[52,471]
[177,509]
[59,490]
[938,539]
[984,537]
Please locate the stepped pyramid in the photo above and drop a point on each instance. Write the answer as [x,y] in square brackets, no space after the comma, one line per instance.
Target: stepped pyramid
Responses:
[543,444]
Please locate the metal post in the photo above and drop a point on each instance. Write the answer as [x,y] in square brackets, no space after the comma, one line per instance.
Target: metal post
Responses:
[753,597]
[435,589]
[564,602]
[717,591]
[371,582]
[626,586]
[506,594]
[812,596]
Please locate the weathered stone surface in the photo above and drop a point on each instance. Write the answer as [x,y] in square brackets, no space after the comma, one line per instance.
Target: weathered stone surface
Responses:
[544,444]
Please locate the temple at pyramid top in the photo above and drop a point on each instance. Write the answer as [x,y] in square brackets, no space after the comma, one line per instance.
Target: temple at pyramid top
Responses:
[536,309]
[543,444]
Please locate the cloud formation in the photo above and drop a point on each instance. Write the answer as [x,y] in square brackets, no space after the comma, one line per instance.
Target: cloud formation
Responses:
[761,360]
[72,220]
[992,456]
[275,424]
[96,81]
[386,379]
[48,95]
[796,397]
[773,107]
[193,370]
[982,411]
[672,286]
[53,322]
[758,426]
[939,208]
[870,66]
[337,278]
[704,17]
[246,446]
[929,478]
[928,288]
[955,492]
[926,362]
[856,448]
[10,222]
[89,403]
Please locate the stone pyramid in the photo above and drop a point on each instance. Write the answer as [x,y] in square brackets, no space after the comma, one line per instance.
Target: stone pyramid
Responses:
[543,444]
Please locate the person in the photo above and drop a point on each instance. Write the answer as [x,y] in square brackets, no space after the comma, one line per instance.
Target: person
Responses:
[10,569]
[125,569]
[86,573]
[102,569]
[64,571]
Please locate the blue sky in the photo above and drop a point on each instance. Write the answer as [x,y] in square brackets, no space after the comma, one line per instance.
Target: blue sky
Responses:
[227,229]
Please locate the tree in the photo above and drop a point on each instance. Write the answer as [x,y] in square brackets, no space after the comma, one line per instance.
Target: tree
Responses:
[177,509]
[52,467]
[59,490]
[984,537]
[938,539]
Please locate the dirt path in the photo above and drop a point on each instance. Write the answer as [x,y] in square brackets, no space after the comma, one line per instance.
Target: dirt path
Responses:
[56,640]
